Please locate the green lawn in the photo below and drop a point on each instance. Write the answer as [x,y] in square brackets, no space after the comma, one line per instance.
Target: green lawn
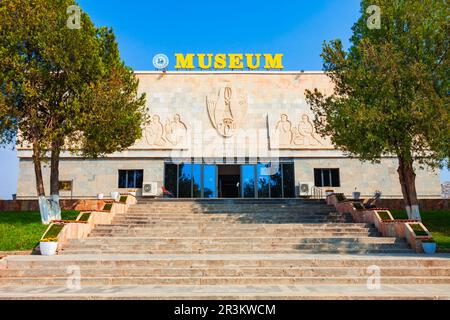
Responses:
[23,230]
[438,222]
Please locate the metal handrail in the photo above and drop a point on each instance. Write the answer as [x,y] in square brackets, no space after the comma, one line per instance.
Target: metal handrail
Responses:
[316,193]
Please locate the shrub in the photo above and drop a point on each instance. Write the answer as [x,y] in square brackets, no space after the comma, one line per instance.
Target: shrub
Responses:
[358,206]
[384,215]
[53,231]
[418,230]
[84,216]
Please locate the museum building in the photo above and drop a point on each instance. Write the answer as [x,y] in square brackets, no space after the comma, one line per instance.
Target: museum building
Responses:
[224,134]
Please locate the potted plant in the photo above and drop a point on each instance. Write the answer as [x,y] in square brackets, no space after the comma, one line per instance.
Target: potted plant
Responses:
[358,206]
[429,246]
[385,215]
[48,246]
[418,230]
[356,195]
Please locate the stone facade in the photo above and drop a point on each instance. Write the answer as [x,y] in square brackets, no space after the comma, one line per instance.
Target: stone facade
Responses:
[211,115]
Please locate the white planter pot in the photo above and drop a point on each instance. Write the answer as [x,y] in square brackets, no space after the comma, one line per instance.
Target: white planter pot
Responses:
[48,248]
[429,247]
[133,193]
[356,195]
[115,196]
[100,196]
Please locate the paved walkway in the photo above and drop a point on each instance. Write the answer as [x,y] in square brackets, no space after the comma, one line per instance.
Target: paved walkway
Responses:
[343,292]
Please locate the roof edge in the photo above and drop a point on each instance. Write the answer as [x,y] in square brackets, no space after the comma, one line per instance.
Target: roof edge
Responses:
[137,72]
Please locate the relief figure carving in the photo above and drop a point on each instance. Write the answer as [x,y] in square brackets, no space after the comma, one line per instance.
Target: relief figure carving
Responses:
[176,131]
[283,131]
[286,135]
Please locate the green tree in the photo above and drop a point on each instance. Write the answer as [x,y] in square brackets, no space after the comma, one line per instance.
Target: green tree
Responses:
[391,89]
[50,74]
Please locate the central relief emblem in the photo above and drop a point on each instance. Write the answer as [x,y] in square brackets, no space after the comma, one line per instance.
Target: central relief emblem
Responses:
[227,111]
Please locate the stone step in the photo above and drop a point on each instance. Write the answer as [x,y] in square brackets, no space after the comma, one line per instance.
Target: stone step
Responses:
[175,234]
[222,221]
[249,230]
[222,203]
[236,226]
[222,260]
[228,271]
[238,240]
[227,292]
[219,221]
[180,211]
[312,250]
[211,223]
[234,206]
[202,280]
[236,248]
[205,216]
[231,211]
[248,245]
[224,215]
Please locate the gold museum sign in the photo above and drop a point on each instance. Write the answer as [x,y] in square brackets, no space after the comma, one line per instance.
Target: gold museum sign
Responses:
[233,61]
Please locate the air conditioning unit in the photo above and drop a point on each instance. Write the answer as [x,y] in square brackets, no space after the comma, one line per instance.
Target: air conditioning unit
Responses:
[305,189]
[149,189]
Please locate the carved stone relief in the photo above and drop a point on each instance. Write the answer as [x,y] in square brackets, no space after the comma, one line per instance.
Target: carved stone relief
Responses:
[171,135]
[284,134]
[227,111]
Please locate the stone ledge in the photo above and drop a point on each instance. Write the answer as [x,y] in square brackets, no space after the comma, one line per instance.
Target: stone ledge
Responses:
[388,228]
[77,230]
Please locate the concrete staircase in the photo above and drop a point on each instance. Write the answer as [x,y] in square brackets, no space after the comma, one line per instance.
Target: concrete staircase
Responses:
[234,227]
[288,249]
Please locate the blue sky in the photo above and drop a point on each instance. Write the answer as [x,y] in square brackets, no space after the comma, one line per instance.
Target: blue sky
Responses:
[143,28]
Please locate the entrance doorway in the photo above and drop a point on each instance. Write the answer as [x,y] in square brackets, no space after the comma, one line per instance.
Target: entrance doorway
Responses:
[201,180]
[229,177]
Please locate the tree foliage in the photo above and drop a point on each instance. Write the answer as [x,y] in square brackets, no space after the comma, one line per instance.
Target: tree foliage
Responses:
[391,94]
[63,88]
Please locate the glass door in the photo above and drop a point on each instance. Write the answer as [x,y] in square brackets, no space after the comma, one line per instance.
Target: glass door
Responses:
[185,180]
[209,181]
[248,173]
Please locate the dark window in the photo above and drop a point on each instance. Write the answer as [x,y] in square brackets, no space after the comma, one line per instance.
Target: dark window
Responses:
[327,178]
[276,181]
[185,180]
[170,178]
[336,181]
[131,178]
[263,180]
